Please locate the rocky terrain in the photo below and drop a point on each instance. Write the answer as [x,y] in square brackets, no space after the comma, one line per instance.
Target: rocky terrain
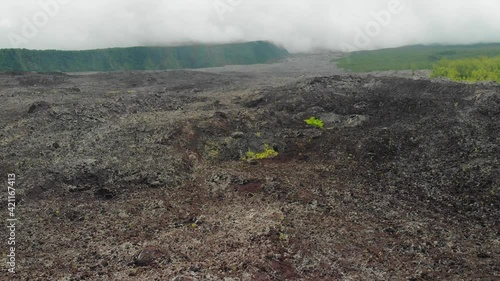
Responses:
[140,175]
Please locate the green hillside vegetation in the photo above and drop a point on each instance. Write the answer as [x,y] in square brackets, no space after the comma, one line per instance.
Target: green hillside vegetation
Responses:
[140,58]
[413,57]
[471,70]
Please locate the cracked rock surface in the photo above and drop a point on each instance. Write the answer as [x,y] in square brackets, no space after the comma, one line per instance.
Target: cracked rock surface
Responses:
[139,176]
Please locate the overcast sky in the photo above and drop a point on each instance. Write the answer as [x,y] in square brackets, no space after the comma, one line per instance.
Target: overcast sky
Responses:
[298,25]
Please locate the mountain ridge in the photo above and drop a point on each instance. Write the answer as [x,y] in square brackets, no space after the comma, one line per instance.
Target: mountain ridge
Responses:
[140,57]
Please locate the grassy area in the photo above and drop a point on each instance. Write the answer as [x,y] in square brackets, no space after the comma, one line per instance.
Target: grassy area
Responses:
[414,57]
[471,70]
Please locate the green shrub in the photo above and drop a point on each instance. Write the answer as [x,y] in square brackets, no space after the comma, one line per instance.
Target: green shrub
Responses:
[315,122]
[470,70]
[267,153]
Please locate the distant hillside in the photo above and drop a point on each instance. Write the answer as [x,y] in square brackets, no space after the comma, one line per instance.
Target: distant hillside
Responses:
[414,57]
[140,58]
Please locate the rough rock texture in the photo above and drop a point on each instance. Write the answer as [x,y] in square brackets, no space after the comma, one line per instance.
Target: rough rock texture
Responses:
[138,176]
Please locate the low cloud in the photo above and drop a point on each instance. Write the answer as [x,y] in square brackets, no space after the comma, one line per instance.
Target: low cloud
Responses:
[298,25]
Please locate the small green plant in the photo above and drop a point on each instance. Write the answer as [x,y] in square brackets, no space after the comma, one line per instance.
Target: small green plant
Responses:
[267,153]
[495,190]
[315,122]
[212,149]
[283,236]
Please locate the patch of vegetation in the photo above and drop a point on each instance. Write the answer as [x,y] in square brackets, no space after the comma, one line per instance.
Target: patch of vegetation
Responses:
[470,70]
[413,57]
[212,150]
[268,152]
[140,58]
[315,122]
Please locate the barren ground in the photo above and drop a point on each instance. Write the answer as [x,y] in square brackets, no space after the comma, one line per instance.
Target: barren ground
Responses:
[139,175]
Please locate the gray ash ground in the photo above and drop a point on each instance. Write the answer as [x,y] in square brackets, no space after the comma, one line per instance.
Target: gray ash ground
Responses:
[139,175]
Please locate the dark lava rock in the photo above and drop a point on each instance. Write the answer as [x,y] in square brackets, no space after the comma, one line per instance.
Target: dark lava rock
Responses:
[219,115]
[73,215]
[38,106]
[148,256]
[105,193]
[237,135]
